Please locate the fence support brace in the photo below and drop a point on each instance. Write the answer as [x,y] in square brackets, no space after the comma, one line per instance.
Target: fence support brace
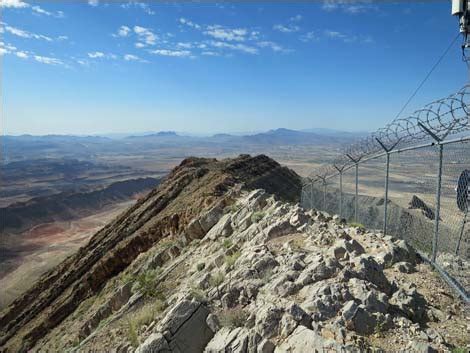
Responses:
[387,173]
[340,171]
[356,163]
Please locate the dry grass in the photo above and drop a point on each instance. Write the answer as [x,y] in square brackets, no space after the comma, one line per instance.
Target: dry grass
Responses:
[234,317]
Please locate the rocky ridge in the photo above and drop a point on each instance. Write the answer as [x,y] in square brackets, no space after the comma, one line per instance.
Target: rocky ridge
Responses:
[270,277]
[195,185]
[247,271]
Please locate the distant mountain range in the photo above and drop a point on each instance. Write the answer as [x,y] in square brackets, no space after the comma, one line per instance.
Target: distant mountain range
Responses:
[89,147]
[279,136]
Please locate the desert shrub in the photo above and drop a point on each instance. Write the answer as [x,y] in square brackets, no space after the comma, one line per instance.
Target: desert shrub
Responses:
[460,350]
[357,225]
[200,266]
[231,259]
[147,313]
[257,216]
[227,243]
[216,280]
[168,243]
[297,243]
[232,208]
[146,284]
[234,317]
[198,294]
[132,335]
[126,278]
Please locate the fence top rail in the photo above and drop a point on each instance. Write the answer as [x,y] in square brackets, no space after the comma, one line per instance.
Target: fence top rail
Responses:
[442,119]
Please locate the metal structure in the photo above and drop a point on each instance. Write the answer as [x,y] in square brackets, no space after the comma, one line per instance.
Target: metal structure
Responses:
[439,132]
[461,8]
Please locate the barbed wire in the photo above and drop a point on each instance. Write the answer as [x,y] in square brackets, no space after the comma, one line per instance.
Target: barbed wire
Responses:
[444,117]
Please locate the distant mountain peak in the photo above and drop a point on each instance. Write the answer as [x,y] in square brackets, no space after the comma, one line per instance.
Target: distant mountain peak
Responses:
[166,133]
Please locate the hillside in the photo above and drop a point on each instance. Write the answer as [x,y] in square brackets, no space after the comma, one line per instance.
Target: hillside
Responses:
[219,258]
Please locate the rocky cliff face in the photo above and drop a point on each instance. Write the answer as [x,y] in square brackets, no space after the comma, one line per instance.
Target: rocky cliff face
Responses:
[219,258]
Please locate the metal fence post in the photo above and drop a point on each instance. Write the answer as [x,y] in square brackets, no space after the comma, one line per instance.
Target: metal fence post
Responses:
[357,192]
[356,162]
[438,186]
[387,174]
[340,171]
[341,194]
[438,204]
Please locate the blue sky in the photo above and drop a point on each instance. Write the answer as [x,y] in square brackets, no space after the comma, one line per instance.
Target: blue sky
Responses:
[93,67]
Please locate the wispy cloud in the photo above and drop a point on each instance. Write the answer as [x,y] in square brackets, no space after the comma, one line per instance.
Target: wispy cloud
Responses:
[210,53]
[13,3]
[22,54]
[347,38]
[37,9]
[349,6]
[41,11]
[309,36]
[289,28]
[93,2]
[273,46]
[185,45]
[6,48]
[123,31]
[96,54]
[145,35]
[188,23]
[24,34]
[238,46]
[48,60]
[223,33]
[296,18]
[132,57]
[174,53]
[137,4]
[101,55]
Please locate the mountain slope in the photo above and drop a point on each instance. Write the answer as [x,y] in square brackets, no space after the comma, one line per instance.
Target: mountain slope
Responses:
[195,185]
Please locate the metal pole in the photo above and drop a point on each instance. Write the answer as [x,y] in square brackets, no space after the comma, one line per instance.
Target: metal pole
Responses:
[387,151]
[386,193]
[341,194]
[324,195]
[438,205]
[357,183]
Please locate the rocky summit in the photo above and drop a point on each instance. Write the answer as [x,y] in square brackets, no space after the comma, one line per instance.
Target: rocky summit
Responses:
[221,258]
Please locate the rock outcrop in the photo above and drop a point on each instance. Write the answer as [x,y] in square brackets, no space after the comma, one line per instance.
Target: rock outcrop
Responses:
[220,258]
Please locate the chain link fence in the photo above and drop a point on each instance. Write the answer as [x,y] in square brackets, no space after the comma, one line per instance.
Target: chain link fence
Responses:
[414,189]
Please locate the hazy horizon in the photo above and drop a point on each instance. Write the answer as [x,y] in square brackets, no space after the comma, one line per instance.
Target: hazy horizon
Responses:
[193,134]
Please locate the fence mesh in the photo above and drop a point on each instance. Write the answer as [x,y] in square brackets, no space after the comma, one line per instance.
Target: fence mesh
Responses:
[428,184]
[453,249]
[412,195]
[411,205]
